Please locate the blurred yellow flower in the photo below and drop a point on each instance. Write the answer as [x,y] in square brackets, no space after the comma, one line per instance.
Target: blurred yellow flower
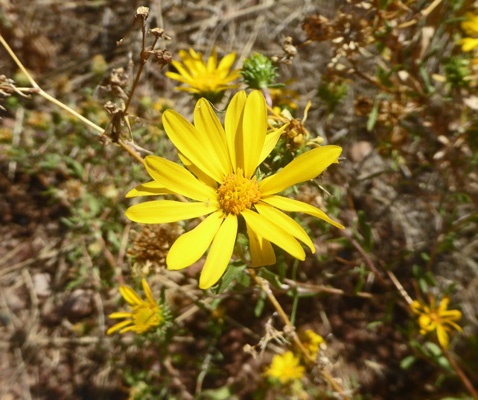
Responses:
[285,367]
[281,98]
[143,316]
[436,318]
[219,176]
[470,27]
[311,342]
[205,80]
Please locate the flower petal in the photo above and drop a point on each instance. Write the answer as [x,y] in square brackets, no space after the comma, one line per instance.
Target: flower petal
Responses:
[220,253]
[263,227]
[197,172]
[118,326]
[233,123]
[130,295]
[453,315]
[148,189]
[188,140]
[179,179]
[305,167]
[212,61]
[212,134]
[285,222]
[190,247]
[270,142]
[121,315]
[147,291]
[262,252]
[164,211]
[291,205]
[443,337]
[254,130]
[226,63]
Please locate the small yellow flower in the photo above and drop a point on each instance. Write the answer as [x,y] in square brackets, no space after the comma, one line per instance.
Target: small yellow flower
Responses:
[436,318]
[470,27]
[468,44]
[205,80]
[220,179]
[283,98]
[311,342]
[285,367]
[143,316]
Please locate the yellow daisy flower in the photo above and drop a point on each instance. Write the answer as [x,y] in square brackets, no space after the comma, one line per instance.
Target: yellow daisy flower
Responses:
[470,25]
[205,80]
[143,316]
[436,318]
[285,367]
[311,342]
[219,177]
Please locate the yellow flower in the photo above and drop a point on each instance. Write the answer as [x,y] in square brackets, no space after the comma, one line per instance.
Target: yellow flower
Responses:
[219,176]
[312,342]
[468,44]
[283,98]
[470,25]
[285,367]
[143,316]
[436,318]
[205,80]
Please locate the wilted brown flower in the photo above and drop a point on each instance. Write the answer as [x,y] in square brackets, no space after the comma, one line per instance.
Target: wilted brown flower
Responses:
[151,245]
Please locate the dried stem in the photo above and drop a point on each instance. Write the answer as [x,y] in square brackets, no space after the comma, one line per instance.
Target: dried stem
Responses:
[461,374]
[37,89]
[266,289]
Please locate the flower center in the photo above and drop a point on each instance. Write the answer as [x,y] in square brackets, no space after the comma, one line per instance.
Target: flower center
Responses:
[145,317]
[237,193]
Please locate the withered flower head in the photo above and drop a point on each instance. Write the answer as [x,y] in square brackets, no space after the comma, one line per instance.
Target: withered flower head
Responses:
[159,33]
[142,13]
[152,243]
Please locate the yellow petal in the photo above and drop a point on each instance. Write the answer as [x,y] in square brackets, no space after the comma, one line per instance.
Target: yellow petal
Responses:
[285,222]
[212,134]
[220,253]
[164,211]
[443,337]
[226,63]
[177,77]
[197,172]
[305,167]
[148,189]
[254,130]
[179,180]
[456,326]
[212,61]
[118,326]
[450,314]
[120,315]
[233,123]
[186,138]
[133,328]
[130,295]
[147,291]
[273,233]
[468,44]
[262,252]
[291,205]
[270,142]
[190,247]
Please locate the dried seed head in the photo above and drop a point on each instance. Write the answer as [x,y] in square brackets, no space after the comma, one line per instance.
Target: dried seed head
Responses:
[161,57]
[142,13]
[159,33]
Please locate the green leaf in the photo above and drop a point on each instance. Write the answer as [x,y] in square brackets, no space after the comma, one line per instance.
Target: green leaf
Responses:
[260,305]
[231,273]
[407,362]
[272,278]
[372,118]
